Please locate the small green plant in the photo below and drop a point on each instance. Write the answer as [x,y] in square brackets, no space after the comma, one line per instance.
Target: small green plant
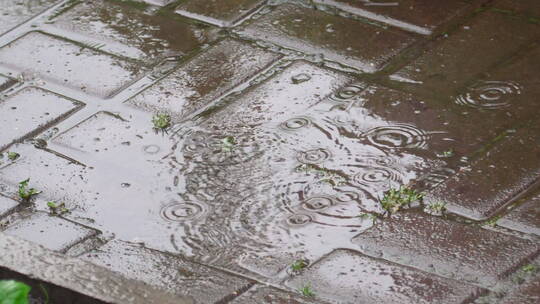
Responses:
[327,175]
[436,208]
[529,268]
[306,291]
[447,154]
[161,121]
[227,144]
[25,193]
[493,221]
[57,209]
[13,155]
[395,199]
[13,292]
[368,216]
[298,265]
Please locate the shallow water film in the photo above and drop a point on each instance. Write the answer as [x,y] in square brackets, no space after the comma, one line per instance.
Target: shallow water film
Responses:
[250,151]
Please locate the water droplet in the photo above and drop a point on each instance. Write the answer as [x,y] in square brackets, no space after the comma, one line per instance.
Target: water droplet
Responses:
[125,185]
[151,149]
[303,77]
[317,203]
[347,93]
[299,219]
[315,156]
[179,212]
[398,136]
[490,94]
[295,123]
[347,196]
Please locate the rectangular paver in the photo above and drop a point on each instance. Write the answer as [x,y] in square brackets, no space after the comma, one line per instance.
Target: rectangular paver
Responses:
[267,295]
[526,7]
[7,205]
[526,217]
[52,232]
[31,110]
[361,45]
[223,13]
[127,31]
[480,43]
[16,12]
[167,272]
[352,278]
[65,63]
[421,16]
[447,248]
[494,179]
[194,85]
[528,292]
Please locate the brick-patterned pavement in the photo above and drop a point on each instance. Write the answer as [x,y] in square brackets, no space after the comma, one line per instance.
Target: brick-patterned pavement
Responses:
[290,121]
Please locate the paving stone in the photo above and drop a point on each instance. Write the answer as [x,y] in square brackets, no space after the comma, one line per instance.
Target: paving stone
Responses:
[72,280]
[347,41]
[16,12]
[170,273]
[205,78]
[527,7]
[484,41]
[31,110]
[348,277]
[222,13]
[65,63]
[494,179]
[529,292]
[127,31]
[447,248]
[268,295]
[6,205]
[59,177]
[52,232]
[524,218]
[421,16]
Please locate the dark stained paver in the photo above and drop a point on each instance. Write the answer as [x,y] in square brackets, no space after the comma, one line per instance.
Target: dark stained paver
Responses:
[529,292]
[349,277]
[421,16]
[193,86]
[485,40]
[219,12]
[494,179]
[52,232]
[524,218]
[170,273]
[447,248]
[343,40]
[64,63]
[30,110]
[527,7]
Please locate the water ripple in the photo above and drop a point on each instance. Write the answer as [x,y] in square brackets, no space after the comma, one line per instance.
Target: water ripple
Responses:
[490,94]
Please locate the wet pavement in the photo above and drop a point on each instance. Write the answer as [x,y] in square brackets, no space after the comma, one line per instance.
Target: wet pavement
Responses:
[290,122]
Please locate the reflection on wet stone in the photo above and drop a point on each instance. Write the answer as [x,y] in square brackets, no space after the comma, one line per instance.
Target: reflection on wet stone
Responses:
[280,150]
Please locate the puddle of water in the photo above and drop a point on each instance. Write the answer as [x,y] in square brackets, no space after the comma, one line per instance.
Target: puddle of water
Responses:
[122,30]
[16,12]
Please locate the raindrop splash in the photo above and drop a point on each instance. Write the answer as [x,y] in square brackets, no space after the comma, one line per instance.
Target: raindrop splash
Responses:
[490,95]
